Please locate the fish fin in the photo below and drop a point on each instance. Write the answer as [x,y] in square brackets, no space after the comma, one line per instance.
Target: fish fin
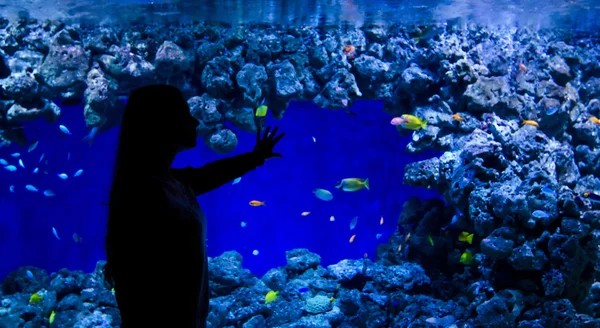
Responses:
[424,124]
[366,183]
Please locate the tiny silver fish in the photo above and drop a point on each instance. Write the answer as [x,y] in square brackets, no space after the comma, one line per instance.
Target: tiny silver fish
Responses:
[32,146]
[12,189]
[64,129]
[63,176]
[15,155]
[41,158]
[78,173]
[353,223]
[29,275]
[31,188]
[21,163]
[237,180]
[55,233]
[49,193]
[35,170]
[3,161]
[10,168]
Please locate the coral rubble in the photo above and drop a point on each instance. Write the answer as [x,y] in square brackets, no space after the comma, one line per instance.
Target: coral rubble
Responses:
[517,187]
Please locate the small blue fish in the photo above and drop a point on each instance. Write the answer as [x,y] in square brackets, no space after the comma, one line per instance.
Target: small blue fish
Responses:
[29,275]
[548,191]
[12,189]
[303,290]
[552,111]
[41,158]
[33,146]
[21,163]
[237,180]
[15,155]
[314,139]
[540,214]
[64,129]
[31,188]
[3,161]
[35,170]
[55,233]
[78,173]
[49,193]
[63,176]
[10,168]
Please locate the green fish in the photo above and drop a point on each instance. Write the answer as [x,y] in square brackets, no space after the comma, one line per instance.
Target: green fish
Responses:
[36,298]
[352,184]
[261,111]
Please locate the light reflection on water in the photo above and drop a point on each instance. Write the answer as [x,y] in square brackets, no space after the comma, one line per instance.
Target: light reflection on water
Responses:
[573,14]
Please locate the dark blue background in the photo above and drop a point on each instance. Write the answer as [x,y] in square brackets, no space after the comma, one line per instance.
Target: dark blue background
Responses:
[363,146]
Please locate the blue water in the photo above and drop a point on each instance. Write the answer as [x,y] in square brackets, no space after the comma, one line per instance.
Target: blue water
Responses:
[364,146]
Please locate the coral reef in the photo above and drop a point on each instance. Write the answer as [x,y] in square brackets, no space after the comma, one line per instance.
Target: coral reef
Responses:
[517,187]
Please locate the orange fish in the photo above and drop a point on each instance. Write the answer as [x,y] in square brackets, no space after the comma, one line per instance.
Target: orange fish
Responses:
[522,68]
[381,221]
[407,237]
[352,238]
[531,122]
[305,213]
[257,203]
[457,117]
[594,119]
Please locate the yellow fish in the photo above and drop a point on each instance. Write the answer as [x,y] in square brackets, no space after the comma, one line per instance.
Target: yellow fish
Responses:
[594,119]
[51,318]
[261,111]
[36,298]
[531,122]
[332,299]
[352,184]
[257,203]
[466,237]
[466,258]
[271,296]
[414,123]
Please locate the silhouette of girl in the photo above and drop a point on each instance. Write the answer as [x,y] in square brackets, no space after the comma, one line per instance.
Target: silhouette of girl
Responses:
[156,239]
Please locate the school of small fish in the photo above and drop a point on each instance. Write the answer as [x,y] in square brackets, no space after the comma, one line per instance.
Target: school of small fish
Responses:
[21,162]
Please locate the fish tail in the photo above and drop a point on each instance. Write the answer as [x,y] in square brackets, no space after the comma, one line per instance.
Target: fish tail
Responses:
[470,239]
[91,136]
[424,124]
[366,183]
